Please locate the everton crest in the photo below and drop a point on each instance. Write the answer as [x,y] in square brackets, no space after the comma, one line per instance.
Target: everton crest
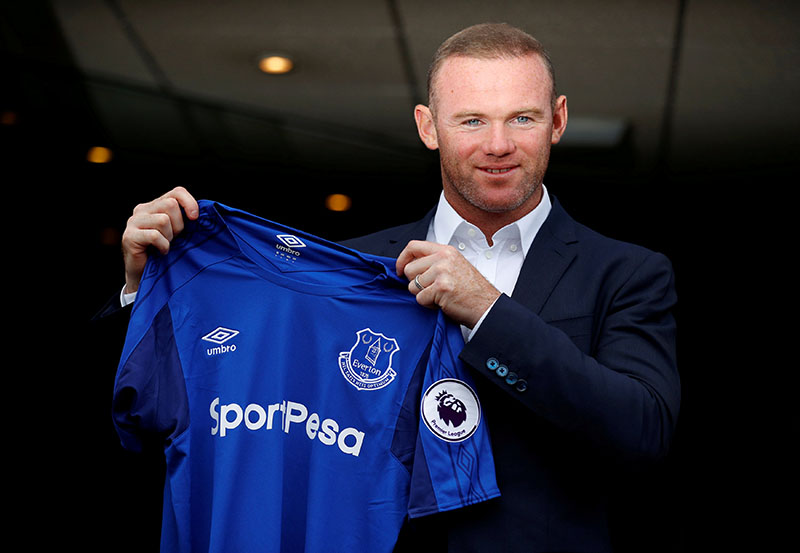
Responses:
[368,364]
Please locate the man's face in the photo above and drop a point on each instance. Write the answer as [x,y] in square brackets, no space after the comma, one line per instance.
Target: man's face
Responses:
[493,123]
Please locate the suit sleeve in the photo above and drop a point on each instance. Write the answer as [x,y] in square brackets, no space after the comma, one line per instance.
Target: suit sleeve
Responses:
[620,389]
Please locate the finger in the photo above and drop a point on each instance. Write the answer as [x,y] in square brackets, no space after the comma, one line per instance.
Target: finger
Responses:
[185,200]
[415,285]
[414,250]
[161,213]
[144,231]
[134,252]
[164,223]
[171,207]
[425,268]
[152,238]
[425,296]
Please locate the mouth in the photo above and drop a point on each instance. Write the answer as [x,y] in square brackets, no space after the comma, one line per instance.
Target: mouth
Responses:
[496,170]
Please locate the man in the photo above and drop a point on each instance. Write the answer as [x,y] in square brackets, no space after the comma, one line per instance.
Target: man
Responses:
[570,332]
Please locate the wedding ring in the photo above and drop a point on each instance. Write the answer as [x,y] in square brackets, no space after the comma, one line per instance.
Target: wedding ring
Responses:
[416,281]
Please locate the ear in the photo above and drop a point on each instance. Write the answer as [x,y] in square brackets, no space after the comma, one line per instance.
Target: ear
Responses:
[426,127]
[559,119]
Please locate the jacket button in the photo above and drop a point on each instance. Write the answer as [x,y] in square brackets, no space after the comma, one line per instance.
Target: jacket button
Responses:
[492,364]
[502,371]
[522,385]
[512,378]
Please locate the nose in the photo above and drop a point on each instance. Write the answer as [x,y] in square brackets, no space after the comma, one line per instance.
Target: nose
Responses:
[499,141]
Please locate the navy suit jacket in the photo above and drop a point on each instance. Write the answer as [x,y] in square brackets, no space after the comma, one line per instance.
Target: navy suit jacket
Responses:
[579,386]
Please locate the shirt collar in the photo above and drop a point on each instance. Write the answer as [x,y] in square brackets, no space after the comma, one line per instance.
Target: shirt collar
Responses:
[446,221]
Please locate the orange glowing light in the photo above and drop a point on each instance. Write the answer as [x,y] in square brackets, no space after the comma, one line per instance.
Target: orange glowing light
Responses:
[99,154]
[275,65]
[338,202]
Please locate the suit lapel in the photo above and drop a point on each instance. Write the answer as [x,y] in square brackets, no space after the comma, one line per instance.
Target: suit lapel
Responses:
[549,257]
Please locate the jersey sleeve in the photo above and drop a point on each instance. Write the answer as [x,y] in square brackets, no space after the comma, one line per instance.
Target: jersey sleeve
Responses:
[149,403]
[453,465]
[150,400]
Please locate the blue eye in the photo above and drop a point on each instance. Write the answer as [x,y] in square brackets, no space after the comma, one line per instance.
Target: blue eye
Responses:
[523,119]
[472,122]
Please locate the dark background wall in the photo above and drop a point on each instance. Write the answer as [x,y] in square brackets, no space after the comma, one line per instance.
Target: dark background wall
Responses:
[704,176]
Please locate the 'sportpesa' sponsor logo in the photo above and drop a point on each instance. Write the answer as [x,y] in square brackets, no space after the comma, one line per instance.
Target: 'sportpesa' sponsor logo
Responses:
[285,416]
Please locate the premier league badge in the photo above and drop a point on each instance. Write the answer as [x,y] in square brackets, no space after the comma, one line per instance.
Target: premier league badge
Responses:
[451,410]
[368,364]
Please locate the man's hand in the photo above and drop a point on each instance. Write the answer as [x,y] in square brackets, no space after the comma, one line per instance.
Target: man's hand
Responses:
[448,281]
[154,224]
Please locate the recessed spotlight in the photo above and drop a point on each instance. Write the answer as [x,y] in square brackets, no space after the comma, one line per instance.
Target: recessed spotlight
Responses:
[8,118]
[275,64]
[98,154]
[338,202]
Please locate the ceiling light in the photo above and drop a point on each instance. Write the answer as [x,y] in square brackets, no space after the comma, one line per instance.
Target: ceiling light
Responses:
[338,202]
[275,65]
[98,154]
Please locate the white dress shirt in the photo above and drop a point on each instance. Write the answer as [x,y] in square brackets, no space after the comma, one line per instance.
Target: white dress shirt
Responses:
[499,263]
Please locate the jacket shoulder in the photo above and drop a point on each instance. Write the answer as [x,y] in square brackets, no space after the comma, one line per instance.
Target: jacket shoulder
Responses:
[591,242]
[391,241]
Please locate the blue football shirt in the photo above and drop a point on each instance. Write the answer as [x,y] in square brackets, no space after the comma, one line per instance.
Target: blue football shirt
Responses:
[304,400]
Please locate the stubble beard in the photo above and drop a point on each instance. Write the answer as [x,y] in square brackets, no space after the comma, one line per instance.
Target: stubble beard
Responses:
[470,191]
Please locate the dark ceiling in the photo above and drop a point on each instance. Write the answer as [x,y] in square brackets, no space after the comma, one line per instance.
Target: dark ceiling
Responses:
[691,79]
[702,89]
[696,85]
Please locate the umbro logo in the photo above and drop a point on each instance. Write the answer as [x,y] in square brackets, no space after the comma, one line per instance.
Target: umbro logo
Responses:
[287,249]
[219,336]
[291,241]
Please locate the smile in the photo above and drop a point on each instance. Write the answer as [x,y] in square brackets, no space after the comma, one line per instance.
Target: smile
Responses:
[497,171]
